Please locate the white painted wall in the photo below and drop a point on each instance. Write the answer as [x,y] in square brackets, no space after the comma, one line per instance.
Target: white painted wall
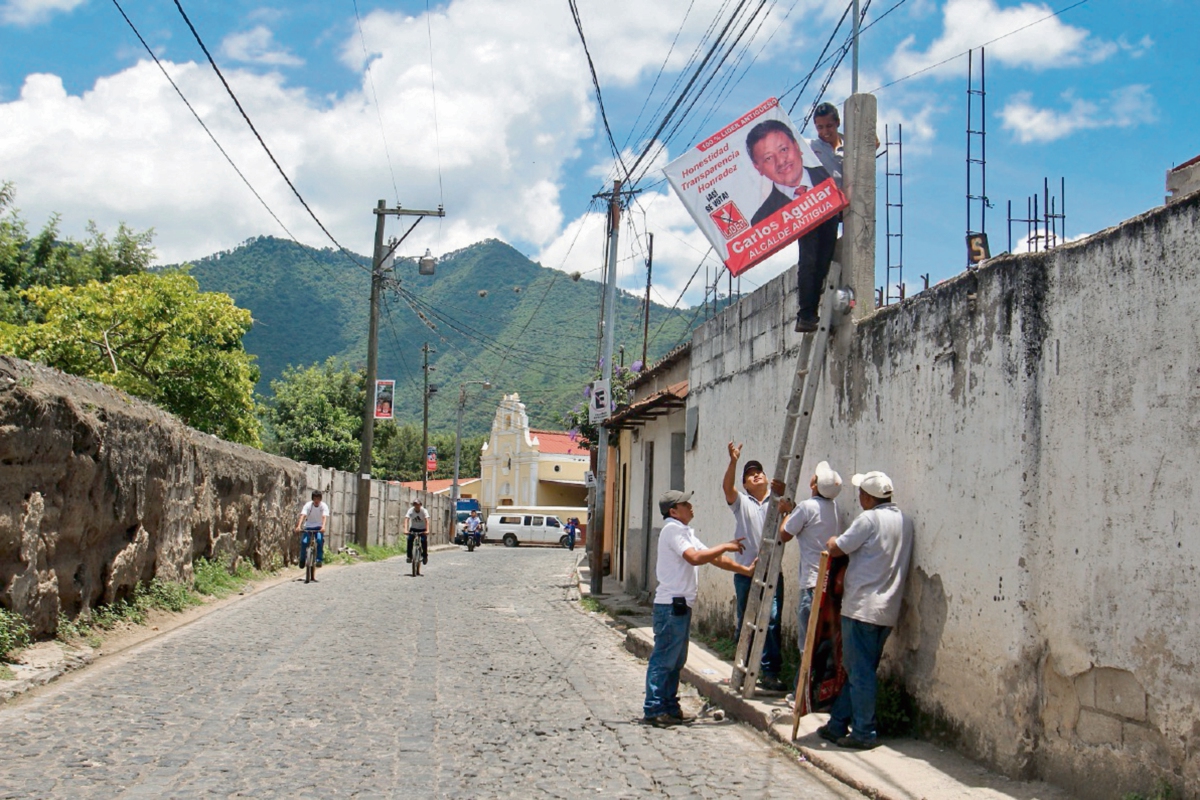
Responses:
[1040,418]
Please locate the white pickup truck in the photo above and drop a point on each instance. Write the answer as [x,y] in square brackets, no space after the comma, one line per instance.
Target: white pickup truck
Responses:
[523,527]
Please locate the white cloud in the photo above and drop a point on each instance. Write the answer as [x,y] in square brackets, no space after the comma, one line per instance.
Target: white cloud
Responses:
[32,12]
[968,24]
[514,110]
[1126,107]
[257,46]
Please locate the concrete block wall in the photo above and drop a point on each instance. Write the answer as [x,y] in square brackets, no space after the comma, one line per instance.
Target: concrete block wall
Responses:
[1039,417]
[100,491]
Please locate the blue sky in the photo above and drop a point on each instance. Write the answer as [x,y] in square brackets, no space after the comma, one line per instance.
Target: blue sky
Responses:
[1102,94]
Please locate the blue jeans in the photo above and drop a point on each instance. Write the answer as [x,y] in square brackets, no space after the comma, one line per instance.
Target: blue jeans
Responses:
[772,652]
[424,546]
[570,538]
[671,634]
[802,615]
[320,544]
[854,708]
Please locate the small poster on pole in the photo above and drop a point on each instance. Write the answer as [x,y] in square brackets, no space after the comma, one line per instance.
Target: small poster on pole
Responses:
[431,459]
[598,403]
[754,187]
[384,393]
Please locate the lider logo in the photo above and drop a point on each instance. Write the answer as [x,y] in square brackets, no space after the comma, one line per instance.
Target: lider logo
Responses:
[729,220]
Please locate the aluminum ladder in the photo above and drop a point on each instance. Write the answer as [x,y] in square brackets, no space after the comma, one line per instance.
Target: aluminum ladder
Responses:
[809,363]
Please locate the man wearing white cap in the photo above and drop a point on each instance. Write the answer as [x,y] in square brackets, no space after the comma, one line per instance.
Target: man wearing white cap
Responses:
[879,543]
[813,523]
[680,552]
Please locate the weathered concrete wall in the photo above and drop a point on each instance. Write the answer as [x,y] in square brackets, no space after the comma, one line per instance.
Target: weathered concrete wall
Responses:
[100,491]
[1039,417]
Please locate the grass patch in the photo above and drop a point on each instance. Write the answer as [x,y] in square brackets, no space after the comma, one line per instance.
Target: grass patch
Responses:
[214,579]
[377,553]
[6,673]
[14,633]
[1162,791]
[589,603]
[895,710]
[723,646]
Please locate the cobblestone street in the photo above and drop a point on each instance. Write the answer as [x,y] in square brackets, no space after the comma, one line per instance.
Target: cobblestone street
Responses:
[480,679]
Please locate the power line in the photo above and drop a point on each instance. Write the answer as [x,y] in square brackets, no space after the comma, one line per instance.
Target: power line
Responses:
[1058,13]
[596,83]
[378,111]
[271,155]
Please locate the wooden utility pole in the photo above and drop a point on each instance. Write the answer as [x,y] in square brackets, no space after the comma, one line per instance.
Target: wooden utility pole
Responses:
[362,510]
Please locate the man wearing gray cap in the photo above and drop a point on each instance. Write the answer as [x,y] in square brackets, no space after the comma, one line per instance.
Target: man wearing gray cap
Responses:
[879,543]
[679,554]
[813,522]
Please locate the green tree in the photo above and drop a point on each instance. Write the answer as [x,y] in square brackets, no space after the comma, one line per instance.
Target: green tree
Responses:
[315,414]
[47,260]
[155,336]
[398,454]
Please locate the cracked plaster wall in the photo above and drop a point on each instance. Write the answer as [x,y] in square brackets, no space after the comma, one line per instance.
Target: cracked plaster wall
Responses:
[1039,417]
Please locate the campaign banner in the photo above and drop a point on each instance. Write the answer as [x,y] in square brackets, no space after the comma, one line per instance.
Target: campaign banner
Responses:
[431,459]
[385,392]
[754,187]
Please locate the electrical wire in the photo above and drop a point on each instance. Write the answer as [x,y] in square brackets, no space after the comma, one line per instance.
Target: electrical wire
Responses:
[596,84]
[258,136]
[375,95]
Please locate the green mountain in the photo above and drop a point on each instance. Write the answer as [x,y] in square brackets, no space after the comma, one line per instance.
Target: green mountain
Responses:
[489,312]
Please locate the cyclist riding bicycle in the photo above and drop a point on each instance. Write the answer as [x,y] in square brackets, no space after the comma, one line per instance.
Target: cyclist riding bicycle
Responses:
[416,523]
[312,520]
[474,526]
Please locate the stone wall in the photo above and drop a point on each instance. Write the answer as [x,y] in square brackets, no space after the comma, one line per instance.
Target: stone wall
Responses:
[1040,418]
[100,491]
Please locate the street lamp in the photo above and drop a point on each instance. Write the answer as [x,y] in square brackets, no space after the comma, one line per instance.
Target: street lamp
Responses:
[462,401]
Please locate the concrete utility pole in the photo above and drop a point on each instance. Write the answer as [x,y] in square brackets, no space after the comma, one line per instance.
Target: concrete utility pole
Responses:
[462,402]
[425,419]
[858,170]
[362,511]
[595,536]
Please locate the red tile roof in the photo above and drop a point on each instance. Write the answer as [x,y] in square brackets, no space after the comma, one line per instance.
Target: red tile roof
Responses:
[558,442]
[438,484]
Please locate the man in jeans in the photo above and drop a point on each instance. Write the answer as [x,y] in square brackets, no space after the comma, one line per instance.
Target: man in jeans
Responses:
[749,509]
[679,555]
[416,523]
[879,543]
[313,517]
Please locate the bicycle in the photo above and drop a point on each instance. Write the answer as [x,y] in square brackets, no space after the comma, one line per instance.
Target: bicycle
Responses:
[418,553]
[310,556]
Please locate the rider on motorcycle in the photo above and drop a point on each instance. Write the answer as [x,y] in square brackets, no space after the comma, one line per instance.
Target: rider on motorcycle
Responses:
[473,526]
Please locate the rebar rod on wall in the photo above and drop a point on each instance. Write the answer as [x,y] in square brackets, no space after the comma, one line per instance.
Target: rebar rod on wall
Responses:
[894,210]
[977,200]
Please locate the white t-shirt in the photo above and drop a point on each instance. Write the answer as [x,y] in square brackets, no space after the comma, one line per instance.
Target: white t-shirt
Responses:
[813,522]
[879,544]
[749,516]
[676,577]
[418,519]
[314,516]
[472,524]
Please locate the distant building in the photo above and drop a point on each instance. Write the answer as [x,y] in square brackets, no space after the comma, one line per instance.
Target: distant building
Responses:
[1183,180]
[520,466]
[468,488]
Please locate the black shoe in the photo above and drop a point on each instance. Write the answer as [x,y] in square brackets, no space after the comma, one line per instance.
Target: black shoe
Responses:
[681,718]
[829,735]
[853,743]
[660,721]
[806,323]
[771,683]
